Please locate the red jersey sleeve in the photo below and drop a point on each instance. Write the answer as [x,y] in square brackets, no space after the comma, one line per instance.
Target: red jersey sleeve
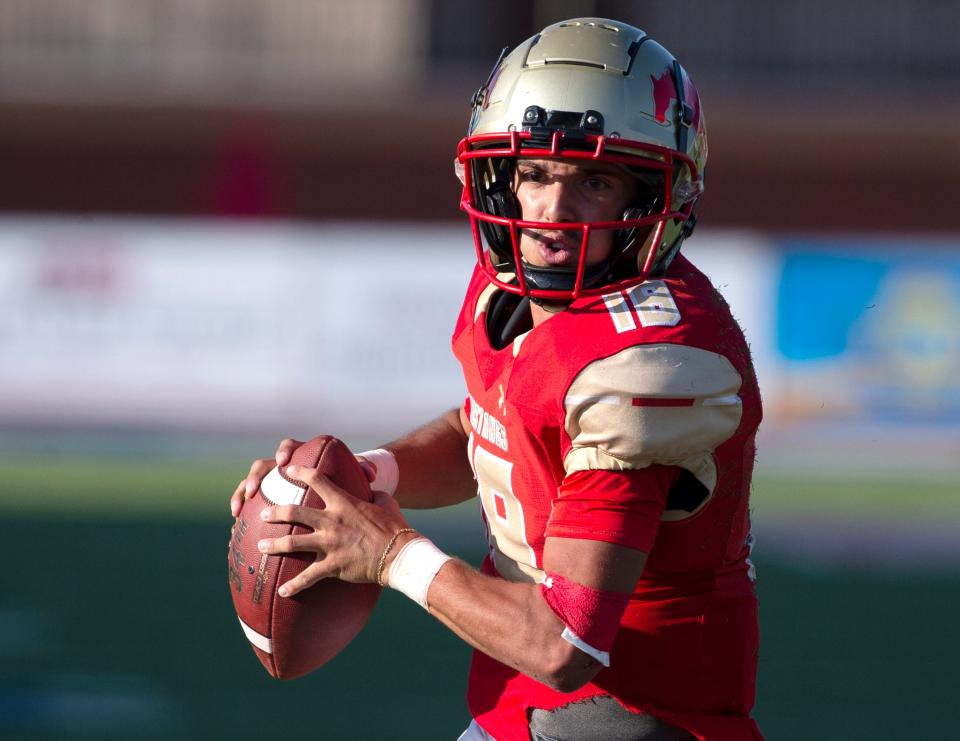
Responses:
[619,507]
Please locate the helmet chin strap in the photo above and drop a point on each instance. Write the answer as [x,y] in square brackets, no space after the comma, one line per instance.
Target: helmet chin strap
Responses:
[563,279]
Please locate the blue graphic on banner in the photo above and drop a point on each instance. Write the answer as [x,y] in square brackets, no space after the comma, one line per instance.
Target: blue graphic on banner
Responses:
[872,328]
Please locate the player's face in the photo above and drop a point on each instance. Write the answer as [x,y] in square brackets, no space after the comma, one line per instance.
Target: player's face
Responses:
[556,190]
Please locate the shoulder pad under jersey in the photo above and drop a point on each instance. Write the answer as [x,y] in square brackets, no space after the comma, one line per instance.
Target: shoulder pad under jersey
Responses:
[661,403]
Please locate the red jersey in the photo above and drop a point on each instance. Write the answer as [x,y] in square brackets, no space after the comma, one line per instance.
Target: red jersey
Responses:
[584,427]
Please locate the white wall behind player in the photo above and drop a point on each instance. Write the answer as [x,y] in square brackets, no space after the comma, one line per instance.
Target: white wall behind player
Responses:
[207,323]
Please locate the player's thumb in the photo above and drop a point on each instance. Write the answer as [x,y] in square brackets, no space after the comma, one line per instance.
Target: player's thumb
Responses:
[368,468]
[382,499]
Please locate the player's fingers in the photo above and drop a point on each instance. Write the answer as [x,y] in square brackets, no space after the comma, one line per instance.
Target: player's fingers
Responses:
[306,578]
[285,450]
[258,470]
[292,543]
[237,498]
[309,516]
[330,493]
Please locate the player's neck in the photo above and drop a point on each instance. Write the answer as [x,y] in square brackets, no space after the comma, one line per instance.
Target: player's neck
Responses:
[541,312]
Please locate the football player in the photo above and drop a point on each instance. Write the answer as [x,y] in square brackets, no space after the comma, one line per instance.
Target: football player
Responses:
[609,423]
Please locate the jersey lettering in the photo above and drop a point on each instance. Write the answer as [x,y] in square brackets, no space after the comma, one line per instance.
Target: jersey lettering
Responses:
[487,426]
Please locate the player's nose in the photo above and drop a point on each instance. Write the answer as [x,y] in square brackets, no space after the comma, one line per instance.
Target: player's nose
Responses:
[558,203]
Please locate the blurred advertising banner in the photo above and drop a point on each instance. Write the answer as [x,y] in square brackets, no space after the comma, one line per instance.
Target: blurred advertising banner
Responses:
[227,324]
[869,329]
[245,324]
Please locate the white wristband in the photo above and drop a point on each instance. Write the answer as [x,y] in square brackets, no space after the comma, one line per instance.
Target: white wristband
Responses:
[387,472]
[414,569]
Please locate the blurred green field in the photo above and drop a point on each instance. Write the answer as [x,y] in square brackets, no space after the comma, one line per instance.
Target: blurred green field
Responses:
[108,487]
[116,622]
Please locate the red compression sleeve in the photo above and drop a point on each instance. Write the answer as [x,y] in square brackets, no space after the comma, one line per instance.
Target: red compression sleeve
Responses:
[593,616]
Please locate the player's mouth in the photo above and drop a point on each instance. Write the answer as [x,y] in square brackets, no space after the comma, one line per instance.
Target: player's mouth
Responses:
[557,249]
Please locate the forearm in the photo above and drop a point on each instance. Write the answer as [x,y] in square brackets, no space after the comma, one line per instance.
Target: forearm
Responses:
[510,622]
[434,470]
[522,624]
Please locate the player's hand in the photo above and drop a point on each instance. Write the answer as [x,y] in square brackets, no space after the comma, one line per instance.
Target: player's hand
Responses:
[262,466]
[349,535]
[249,485]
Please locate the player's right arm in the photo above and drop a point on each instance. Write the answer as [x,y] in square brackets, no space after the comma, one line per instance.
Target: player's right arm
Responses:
[432,459]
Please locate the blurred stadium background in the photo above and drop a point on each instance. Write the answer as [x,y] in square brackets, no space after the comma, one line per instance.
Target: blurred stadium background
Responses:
[223,222]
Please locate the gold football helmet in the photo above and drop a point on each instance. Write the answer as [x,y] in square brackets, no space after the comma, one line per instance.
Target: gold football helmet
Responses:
[585,89]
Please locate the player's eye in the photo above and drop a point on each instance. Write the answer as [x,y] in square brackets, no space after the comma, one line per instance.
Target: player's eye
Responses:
[530,175]
[596,184]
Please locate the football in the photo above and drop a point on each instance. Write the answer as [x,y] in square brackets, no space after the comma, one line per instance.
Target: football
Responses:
[292,636]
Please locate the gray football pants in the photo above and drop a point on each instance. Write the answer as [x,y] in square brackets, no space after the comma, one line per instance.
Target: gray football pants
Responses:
[600,718]
[596,719]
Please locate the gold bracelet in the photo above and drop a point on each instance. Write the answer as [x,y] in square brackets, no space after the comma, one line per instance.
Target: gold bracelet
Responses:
[386,551]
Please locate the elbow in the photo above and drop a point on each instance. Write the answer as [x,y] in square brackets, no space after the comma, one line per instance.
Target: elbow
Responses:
[569,668]
[567,682]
